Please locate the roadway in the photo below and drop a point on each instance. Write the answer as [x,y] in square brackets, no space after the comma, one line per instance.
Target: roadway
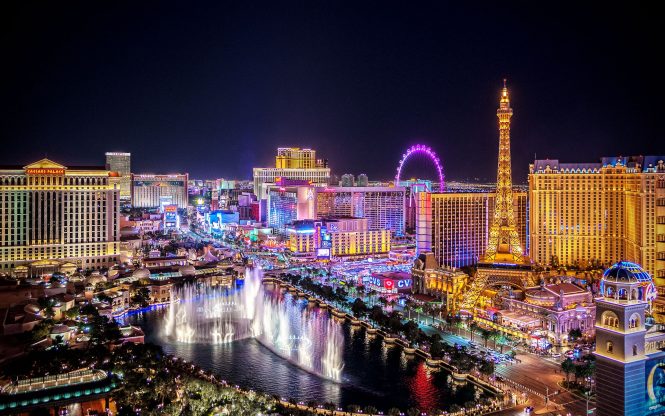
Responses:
[537,375]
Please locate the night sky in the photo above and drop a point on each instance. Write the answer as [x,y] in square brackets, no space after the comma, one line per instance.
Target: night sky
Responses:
[213,89]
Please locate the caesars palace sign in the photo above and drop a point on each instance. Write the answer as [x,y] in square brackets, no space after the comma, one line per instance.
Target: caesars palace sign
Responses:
[45,171]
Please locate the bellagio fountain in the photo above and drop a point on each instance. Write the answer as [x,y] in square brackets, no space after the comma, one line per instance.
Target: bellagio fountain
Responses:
[307,337]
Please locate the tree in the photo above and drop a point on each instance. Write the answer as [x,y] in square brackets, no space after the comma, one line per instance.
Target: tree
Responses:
[436,349]
[472,327]
[411,330]
[502,340]
[358,307]
[393,411]
[487,368]
[46,304]
[102,330]
[141,297]
[454,408]
[413,412]
[88,309]
[72,313]
[568,367]
[494,336]
[41,330]
[485,335]
[574,334]
[103,297]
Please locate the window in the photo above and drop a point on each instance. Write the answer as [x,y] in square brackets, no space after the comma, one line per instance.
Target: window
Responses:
[634,349]
[609,347]
[610,319]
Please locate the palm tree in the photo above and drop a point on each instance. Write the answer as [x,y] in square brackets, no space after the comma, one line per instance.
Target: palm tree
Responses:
[502,340]
[459,324]
[486,335]
[472,327]
[495,334]
[568,367]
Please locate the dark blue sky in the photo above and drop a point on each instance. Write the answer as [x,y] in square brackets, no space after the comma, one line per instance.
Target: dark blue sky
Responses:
[213,88]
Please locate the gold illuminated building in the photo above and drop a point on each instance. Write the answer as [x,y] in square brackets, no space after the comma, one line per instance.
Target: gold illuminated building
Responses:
[291,163]
[595,214]
[54,217]
[296,158]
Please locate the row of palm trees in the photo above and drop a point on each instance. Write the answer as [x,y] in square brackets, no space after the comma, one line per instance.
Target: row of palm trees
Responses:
[473,328]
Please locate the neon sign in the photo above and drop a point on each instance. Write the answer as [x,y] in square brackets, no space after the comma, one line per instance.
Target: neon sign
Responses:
[45,171]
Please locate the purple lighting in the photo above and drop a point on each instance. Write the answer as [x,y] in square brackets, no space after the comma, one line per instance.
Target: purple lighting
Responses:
[420,148]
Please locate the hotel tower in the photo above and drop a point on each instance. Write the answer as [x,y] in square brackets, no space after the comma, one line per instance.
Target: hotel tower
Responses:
[53,216]
[599,213]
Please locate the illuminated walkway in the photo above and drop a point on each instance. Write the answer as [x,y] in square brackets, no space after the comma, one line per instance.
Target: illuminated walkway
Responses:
[55,390]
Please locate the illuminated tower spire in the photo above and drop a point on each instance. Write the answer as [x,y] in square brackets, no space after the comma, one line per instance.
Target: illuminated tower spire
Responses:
[503,238]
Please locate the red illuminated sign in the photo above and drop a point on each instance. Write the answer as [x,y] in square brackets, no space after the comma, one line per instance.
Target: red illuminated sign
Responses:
[45,171]
[388,284]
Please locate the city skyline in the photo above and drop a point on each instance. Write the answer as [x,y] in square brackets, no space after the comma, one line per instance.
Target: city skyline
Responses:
[430,78]
[320,208]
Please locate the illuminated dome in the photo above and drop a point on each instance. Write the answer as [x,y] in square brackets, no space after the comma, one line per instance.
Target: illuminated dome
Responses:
[96,278]
[626,272]
[626,281]
[141,273]
[187,270]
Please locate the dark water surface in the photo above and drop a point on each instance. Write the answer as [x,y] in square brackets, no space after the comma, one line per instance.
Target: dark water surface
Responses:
[374,374]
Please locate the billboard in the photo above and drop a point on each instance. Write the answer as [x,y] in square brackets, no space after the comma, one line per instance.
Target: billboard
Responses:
[170,216]
[393,282]
[655,383]
[323,253]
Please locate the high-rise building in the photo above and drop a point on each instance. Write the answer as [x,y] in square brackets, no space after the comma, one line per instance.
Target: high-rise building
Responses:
[296,158]
[337,237]
[413,187]
[382,206]
[153,191]
[54,216]
[292,163]
[121,162]
[598,213]
[290,203]
[621,344]
[347,180]
[455,226]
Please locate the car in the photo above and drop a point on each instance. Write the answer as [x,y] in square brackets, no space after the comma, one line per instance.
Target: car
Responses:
[556,355]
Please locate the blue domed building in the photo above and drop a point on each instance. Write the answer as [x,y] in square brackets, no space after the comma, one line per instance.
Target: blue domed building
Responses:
[630,360]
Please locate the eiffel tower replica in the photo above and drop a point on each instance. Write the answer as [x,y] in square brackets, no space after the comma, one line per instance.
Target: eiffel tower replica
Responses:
[504,262]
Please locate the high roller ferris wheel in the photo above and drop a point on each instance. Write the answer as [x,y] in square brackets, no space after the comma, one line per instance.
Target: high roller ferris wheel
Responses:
[420,149]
